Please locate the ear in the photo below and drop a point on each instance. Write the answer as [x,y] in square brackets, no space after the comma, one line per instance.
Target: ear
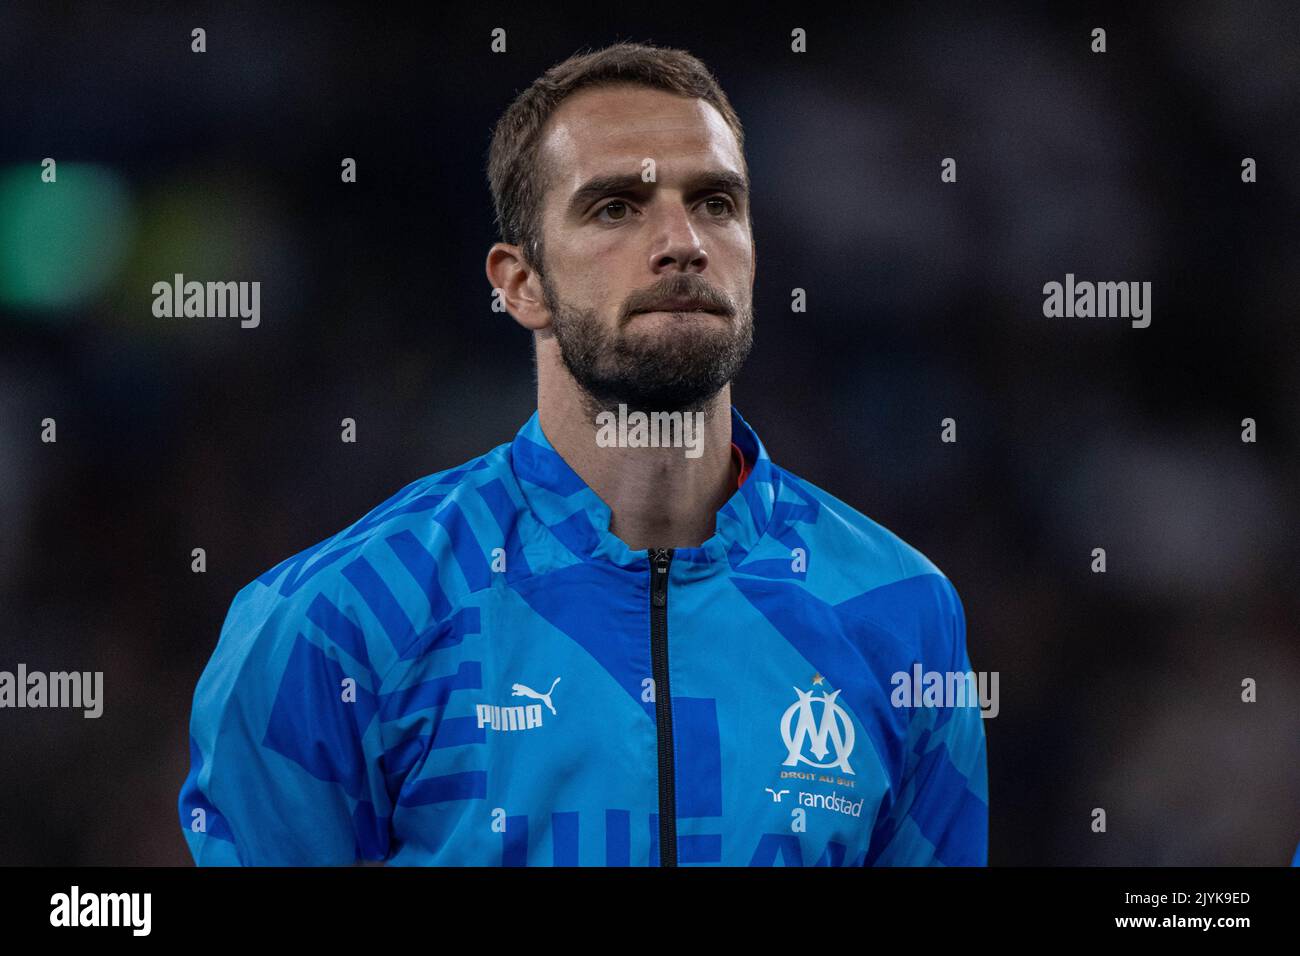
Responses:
[521,287]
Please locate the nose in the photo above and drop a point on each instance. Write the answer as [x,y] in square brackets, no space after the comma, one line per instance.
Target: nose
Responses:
[677,246]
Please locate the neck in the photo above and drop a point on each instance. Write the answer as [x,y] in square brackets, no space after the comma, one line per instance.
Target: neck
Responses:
[658,497]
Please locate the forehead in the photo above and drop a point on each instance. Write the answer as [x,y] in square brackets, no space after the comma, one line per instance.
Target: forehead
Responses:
[610,128]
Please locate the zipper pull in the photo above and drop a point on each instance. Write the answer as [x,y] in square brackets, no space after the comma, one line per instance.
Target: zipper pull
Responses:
[660,558]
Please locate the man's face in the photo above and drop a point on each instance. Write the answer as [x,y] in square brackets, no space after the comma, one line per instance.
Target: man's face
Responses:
[649,284]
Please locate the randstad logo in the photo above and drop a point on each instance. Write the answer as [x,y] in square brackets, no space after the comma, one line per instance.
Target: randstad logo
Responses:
[520,716]
[832,801]
[799,723]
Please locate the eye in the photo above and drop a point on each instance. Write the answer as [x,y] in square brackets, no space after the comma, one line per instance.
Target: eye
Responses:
[614,204]
[724,201]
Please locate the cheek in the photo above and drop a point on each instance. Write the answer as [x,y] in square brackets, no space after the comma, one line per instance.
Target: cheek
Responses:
[578,283]
[736,244]
[734,258]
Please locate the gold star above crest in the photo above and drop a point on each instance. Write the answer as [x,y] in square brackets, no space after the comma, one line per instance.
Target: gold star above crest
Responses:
[817,679]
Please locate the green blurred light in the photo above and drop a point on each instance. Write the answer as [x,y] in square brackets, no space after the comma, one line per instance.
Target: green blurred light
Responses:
[61,243]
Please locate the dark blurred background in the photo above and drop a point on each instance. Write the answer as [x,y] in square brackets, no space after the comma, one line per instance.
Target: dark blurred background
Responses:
[1119,691]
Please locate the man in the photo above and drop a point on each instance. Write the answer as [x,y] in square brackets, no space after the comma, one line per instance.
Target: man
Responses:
[625,637]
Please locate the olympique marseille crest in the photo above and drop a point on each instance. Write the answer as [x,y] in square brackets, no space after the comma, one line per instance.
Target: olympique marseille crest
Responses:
[817,725]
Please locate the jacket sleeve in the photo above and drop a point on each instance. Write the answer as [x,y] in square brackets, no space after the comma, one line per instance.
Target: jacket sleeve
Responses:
[940,817]
[286,760]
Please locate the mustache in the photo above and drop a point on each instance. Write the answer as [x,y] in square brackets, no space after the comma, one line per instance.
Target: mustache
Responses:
[681,293]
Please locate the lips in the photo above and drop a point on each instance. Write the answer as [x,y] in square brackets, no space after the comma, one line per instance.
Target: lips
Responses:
[680,307]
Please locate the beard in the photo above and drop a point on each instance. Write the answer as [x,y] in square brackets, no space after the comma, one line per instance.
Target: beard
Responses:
[676,369]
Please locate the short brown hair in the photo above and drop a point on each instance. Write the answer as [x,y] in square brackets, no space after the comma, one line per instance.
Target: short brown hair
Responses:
[514,171]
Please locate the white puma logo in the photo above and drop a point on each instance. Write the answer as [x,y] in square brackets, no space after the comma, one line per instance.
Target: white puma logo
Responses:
[519,690]
[776,797]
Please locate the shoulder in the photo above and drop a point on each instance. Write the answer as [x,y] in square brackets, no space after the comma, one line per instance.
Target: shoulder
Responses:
[865,569]
[856,546]
[388,569]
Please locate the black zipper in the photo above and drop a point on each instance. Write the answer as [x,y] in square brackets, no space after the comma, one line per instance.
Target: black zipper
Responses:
[660,558]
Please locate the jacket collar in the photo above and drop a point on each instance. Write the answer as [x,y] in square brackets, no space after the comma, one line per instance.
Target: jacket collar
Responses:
[577,516]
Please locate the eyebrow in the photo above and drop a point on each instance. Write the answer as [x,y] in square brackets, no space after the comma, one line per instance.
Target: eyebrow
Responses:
[725,181]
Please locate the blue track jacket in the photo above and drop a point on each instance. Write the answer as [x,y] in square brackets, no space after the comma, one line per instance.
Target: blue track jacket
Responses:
[479,673]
